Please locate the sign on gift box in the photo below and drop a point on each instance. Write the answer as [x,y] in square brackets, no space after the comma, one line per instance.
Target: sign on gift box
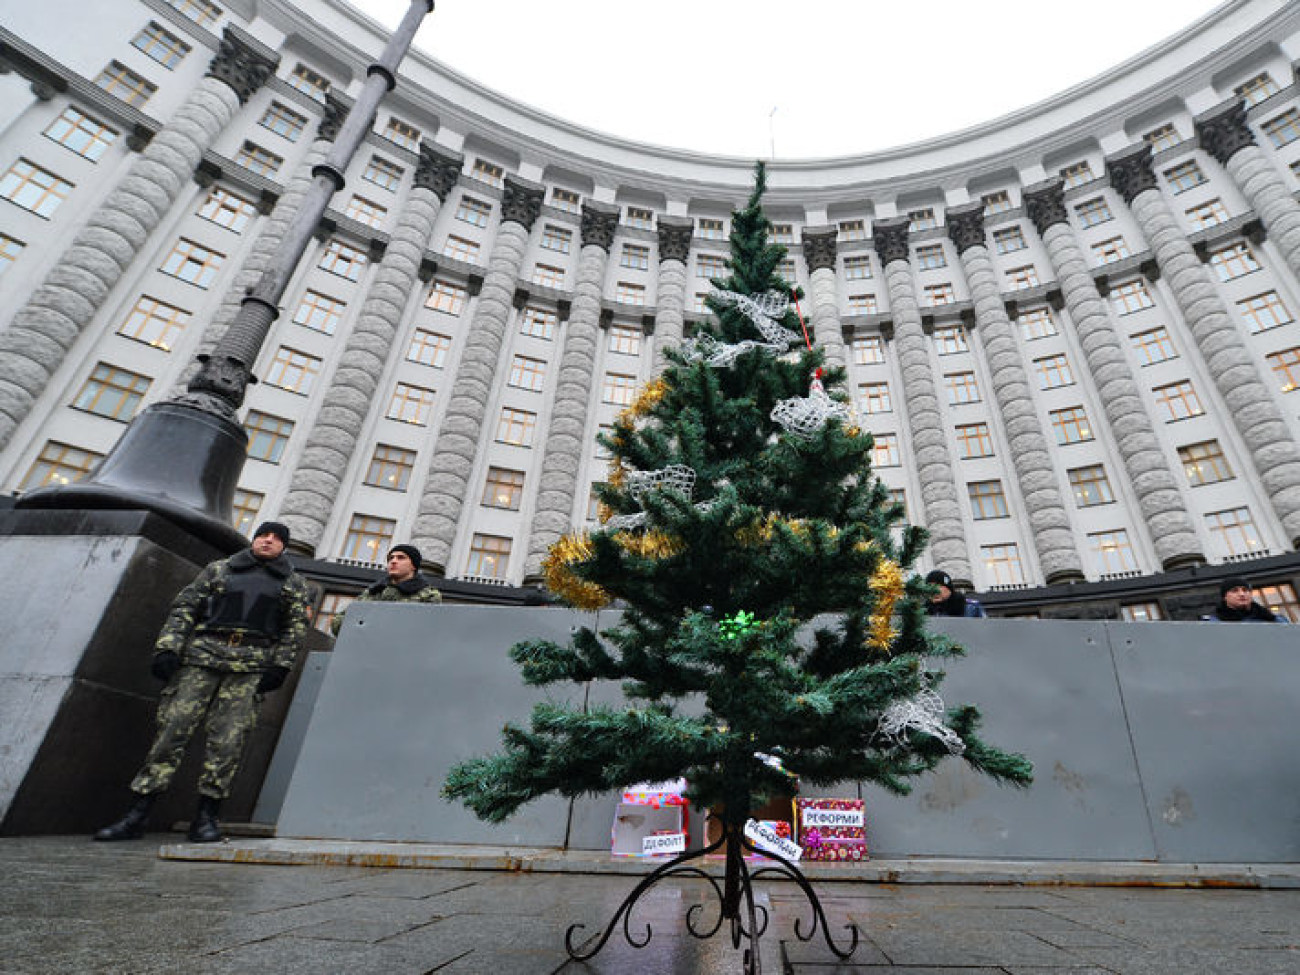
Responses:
[832,829]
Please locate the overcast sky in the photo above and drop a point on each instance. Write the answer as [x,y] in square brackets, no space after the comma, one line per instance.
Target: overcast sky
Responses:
[809,79]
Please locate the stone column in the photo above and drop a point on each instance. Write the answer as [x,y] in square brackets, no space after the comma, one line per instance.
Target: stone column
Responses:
[670,314]
[1225,135]
[819,252]
[1159,497]
[934,467]
[1250,404]
[447,485]
[1031,456]
[317,482]
[44,329]
[566,434]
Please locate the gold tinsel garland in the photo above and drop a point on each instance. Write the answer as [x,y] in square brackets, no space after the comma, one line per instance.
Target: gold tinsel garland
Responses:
[651,393]
[887,583]
[561,579]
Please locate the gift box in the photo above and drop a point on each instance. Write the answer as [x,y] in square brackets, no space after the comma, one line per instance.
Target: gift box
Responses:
[652,820]
[656,794]
[832,829]
[777,814]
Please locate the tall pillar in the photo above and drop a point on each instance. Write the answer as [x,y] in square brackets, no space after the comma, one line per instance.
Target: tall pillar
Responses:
[934,466]
[1049,520]
[819,251]
[566,433]
[44,330]
[447,486]
[1218,334]
[1225,135]
[670,303]
[1159,497]
[316,483]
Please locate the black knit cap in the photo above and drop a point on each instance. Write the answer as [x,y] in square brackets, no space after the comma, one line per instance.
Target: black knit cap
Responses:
[411,553]
[277,528]
[938,577]
[1233,582]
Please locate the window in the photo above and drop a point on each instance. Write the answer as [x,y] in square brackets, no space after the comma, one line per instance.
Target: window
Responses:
[1021,278]
[411,404]
[710,266]
[473,212]
[1154,345]
[629,294]
[227,210]
[332,605]
[624,340]
[556,239]
[1053,371]
[1112,552]
[921,219]
[1184,176]
[33,188]
[885,452]
[1077,174]
[504,489]
[82,134]
[1110,251]
[446,297]
[1286,366]
[566,200]
[154,323]
[1009,240]
[319,312]
[1002,563]
[112,392]
[1162,138]
[516,427]
[1233,261]
[267,435]
[712,229]
[1092,212]
[487,172]
[244,510]
[538,323]
[59,463]
[639,217]
[193,263]
[307,81]
[868,350]
[383,173]
[406,136]
[1204,463]
[489,557]
[548,276]
[202,12]
[283,120]
[10,248]
[368,538]
[998,202]
[1283,129]
[782,233]
[930,256]
[940,294]
[602,452]
[1208,214]
[852,230]
[699,303]
[293,370]
[390,467]
[121,82]
[635,256]
[987,501]
[1264,311]
[899,497]
[343,259]
[1257,89]
[1235,531]
[1281,599]
[526,373]
[862,304]
[618,389]
[1179,400]
[1131,296]
[974,440]
[1037,323]
[786,269]
[258,160]
[365,211]
[428,348]
[874,398]
[1090,486]
[950,339]
[961,387]
[1141,612]
[593,504]
[1071,425]
[857,268]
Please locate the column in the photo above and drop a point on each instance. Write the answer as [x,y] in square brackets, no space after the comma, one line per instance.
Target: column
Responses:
[44,329]
[317,482]
[1049,520]
[1159,497]
[670,303]
[566,434]
[1225,135]
[1234,370]
[934,466]
[447,485]
[819,252]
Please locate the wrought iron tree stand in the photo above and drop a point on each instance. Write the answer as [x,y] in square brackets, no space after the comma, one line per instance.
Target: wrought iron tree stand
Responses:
[735,895]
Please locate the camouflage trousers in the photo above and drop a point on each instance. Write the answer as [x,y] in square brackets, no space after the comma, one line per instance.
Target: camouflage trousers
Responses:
[226,703]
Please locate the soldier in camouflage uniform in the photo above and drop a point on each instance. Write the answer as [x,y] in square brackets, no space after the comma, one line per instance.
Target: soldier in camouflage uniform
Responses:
[231,636]
[402,584]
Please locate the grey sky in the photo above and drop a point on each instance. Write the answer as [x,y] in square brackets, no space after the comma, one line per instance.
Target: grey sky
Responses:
[816,78]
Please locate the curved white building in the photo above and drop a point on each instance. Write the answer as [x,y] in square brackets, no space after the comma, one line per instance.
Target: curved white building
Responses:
[1072,330]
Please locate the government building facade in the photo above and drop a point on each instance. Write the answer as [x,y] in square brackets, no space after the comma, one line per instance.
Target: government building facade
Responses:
[1071,330]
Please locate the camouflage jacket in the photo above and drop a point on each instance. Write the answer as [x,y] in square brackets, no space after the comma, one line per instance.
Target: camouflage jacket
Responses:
[416,589]
[192,633]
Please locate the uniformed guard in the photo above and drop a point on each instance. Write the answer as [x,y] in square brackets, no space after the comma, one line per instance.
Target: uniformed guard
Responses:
[231,636]
[403,583]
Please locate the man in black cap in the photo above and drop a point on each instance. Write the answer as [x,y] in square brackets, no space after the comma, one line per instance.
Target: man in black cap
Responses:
[1236,604]
[946,602]
[231,636]
[404,583]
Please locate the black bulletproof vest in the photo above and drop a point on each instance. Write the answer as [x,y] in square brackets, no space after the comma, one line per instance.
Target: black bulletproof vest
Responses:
[251,602]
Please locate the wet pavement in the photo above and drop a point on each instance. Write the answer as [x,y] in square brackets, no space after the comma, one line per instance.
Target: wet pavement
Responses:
[69,905]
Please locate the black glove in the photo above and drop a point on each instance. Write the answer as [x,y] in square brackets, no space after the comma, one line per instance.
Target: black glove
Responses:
[165,665]
[272,679]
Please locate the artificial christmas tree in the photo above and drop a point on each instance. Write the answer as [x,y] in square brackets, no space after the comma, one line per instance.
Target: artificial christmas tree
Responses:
[770,627]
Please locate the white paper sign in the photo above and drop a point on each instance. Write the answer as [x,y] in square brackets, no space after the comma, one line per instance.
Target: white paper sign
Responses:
[765,838]
[665,843]
[824,818]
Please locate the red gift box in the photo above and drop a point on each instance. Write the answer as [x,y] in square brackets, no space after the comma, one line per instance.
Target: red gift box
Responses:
[832,829]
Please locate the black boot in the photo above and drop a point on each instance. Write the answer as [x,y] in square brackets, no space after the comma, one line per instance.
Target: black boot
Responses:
[204,828]
[130,826]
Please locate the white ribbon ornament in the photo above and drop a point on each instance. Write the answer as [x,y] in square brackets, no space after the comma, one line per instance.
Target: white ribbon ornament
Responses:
[924,713]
